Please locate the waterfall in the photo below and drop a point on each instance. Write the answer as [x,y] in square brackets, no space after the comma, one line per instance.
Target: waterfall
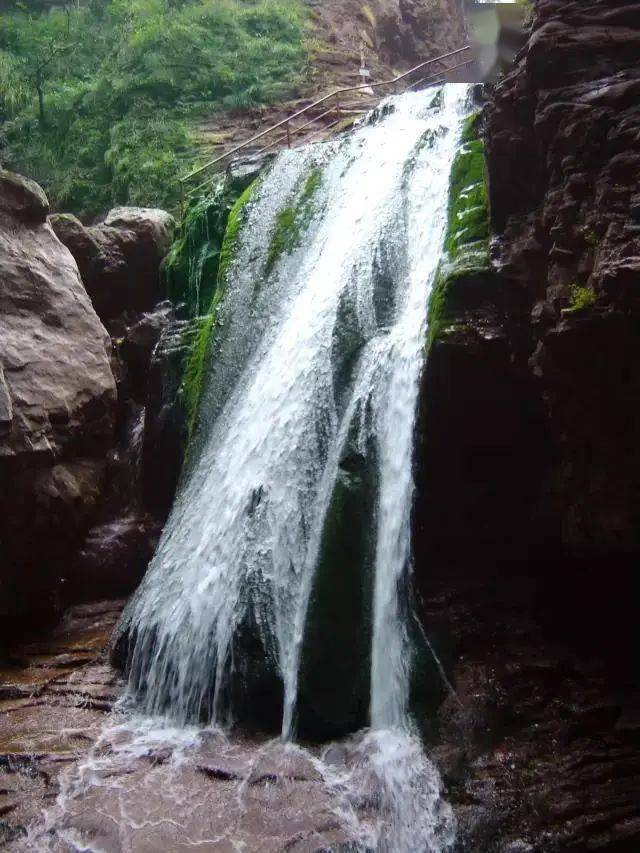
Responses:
[287,552]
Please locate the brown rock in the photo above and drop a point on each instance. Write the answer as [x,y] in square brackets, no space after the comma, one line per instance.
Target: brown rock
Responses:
[57,396]
[119,259]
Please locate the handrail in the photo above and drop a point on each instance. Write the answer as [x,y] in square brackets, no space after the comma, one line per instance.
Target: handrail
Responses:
[335,94]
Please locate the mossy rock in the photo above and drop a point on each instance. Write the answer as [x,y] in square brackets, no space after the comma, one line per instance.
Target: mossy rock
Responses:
[465,279]
[196,366]
[192,265]
[335,666]
[293,219]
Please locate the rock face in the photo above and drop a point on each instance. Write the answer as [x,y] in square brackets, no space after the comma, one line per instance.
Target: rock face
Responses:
[410,29]
[527,532]
[73,521]
[57,398]
[119,259]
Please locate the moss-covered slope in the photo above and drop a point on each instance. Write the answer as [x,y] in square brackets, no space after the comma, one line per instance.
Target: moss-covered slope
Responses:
[196,272]
[464,279]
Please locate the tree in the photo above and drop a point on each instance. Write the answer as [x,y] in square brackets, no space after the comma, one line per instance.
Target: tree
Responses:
[39,45]
[14,90]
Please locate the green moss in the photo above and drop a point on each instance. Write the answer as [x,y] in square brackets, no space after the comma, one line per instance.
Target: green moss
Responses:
[465,263]
[292,220]
[471,128]
[234,224]
[468,220]
[193,380]
[200,344]
[582,298]
[192,265]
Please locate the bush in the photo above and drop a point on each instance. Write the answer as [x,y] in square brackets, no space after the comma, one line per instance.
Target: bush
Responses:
[96,102]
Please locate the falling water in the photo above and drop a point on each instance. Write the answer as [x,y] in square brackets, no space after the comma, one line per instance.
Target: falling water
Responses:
[316,371]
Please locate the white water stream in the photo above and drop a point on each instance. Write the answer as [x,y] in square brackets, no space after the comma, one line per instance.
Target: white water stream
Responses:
[284,405]
[246,529]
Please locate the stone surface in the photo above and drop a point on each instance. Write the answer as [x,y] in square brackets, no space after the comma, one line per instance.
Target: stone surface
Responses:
[53,697]
[57,398]
[117,783]
[166,427]
[526,523]
[22,198]
[119,259]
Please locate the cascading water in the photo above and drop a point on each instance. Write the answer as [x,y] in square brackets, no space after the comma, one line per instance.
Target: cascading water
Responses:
[300,487]
[331,335]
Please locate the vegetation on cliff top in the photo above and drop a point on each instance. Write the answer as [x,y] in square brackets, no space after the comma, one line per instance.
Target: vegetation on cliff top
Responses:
[96,101]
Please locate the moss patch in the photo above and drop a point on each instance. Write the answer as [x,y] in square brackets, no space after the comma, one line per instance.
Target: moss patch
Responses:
[200,344]
[465,263]
[234,224]
[582,298]
[192,265]
[292,221]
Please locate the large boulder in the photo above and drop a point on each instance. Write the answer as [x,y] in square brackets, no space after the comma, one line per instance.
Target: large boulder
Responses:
[119,259]
[57,397]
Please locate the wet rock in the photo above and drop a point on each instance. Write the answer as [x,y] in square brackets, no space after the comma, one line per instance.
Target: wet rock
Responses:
[139,342]
[114,557]
[119,259]
[54,695]
[57,398]
[335,663]
[165,430]
[526,522]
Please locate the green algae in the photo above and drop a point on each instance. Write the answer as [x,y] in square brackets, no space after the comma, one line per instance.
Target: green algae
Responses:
[201,343]
[293,219]
[465,263]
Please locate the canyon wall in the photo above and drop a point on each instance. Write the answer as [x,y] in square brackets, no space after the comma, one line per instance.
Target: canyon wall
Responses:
[528,478]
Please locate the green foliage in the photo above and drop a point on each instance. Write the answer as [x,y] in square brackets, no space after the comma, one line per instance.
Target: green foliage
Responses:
[582,298]
[97,101]
[293,219]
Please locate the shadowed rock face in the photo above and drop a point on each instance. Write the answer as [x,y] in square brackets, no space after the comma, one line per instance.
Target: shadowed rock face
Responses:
[72,402]
[57,397]
[119,259]
[527,534]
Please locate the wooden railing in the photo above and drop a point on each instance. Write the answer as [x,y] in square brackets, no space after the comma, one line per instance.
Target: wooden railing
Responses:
[336,110]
